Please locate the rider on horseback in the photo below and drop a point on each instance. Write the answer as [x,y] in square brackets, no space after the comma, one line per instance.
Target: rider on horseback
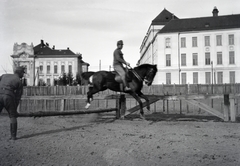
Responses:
[118,62]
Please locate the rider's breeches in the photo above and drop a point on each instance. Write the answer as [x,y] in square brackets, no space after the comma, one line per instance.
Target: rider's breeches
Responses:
[120,70]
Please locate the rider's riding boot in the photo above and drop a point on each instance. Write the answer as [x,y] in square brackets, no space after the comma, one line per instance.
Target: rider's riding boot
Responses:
[126,86]
[13,130]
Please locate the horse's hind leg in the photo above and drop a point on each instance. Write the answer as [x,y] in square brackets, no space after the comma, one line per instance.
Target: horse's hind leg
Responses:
[90,93]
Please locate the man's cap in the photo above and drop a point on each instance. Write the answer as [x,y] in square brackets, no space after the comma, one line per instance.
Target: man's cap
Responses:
[120,42]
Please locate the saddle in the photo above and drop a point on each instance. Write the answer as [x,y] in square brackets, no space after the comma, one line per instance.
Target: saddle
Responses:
[118,78]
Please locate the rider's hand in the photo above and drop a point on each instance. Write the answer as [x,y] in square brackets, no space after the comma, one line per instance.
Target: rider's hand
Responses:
[128,64]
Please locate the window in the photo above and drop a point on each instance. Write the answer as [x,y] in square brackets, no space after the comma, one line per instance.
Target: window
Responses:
[231,57]
[219,40]
[207,40]
[48,81]
[84,68]
[194,41]
[55,69]
[183,42]
[195,77]
[168,60]
[168,78]
[219,77]
[195,59]
[48,69]
[184,78]
[41,69]
[168,43]
[231,39]
[232,77]
[70,68]
[219,58]
[183,59]
[62,69]
[207,58]
[208,77]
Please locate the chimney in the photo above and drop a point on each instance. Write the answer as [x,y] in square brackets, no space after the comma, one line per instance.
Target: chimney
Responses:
[53,47]
[42,43]
[68,48]
[215,12]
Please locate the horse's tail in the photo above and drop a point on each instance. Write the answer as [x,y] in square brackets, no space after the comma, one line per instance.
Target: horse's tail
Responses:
[86,75]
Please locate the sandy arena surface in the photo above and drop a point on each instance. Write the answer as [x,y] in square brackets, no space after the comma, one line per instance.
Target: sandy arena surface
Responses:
[89,140]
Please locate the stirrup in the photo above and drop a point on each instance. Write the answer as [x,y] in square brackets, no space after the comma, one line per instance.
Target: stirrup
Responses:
[126,89]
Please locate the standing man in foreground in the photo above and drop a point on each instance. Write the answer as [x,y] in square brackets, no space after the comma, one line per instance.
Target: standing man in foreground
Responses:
[11,89]
[118,62]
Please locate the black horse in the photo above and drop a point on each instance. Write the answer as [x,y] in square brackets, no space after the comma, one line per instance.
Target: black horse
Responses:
[102,80]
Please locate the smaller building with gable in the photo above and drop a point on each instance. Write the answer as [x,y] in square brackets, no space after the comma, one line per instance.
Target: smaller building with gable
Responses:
[45,64]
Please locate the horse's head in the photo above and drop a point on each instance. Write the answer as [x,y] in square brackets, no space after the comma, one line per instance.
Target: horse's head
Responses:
[148,72]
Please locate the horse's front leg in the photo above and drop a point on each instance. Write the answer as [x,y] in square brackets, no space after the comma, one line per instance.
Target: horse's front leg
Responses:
[142,116]
[140,94]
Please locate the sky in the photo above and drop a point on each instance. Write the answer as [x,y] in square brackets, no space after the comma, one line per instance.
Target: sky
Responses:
[92,27]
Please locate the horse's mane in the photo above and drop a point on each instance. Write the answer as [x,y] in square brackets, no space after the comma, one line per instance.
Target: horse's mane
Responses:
[143,66]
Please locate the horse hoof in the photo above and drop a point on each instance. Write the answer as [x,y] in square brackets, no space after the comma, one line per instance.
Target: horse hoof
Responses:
[122,117]
[87,106]
[142,117]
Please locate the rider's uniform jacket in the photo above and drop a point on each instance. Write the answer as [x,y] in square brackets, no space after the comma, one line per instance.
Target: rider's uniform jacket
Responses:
[118,58]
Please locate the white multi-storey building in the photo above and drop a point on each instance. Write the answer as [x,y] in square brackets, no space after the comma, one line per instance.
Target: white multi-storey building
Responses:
[195,50]
[45,64]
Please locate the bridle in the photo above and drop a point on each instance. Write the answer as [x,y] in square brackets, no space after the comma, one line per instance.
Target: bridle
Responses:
[145,79]
[147,76]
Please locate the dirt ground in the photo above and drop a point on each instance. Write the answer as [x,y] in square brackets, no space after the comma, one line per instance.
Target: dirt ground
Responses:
[100,139]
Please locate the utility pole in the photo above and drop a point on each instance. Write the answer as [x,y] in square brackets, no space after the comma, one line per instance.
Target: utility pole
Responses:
[99,64]
[212,80]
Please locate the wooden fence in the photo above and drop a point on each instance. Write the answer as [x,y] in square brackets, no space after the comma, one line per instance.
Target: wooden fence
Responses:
[154,89]
[68,98]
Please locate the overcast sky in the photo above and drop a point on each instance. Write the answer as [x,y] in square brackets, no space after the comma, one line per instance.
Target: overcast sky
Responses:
[92,27]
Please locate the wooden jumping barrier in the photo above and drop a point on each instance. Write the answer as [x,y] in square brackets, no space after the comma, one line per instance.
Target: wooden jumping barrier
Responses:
[229,112]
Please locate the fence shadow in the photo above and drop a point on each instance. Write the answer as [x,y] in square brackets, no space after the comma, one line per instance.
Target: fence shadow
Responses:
[158,116]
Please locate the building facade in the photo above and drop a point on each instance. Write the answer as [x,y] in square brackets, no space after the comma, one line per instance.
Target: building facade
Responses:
[45,64]
[195,50]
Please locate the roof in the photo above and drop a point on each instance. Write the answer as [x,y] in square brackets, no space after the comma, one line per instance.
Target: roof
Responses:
[44,50]
[163,18]
[203,23]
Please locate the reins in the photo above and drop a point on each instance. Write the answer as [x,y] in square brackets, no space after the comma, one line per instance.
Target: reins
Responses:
[136,74]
